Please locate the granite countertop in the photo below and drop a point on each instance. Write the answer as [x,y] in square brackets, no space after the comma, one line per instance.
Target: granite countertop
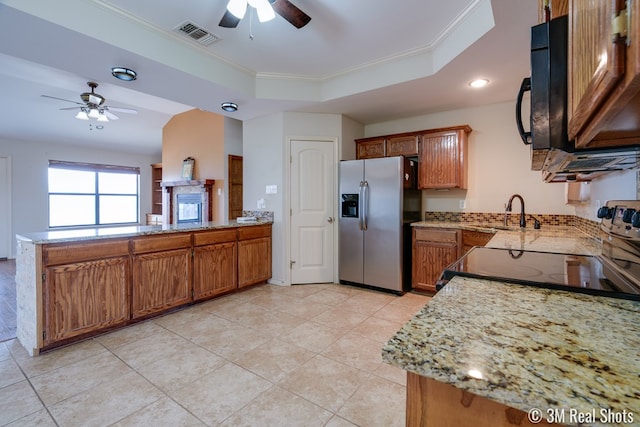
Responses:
[560,239]
[527,347]
[80,234]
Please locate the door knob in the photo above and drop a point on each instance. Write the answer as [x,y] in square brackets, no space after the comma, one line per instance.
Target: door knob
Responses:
[330,220]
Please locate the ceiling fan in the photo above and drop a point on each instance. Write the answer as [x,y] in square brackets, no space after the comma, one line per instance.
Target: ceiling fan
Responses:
[237,8]
[93,106]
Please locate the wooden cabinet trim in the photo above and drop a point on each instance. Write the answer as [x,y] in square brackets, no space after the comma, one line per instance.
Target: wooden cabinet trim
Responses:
[213,237]
[160,243]
[245,233]
[437,235]
[67,253]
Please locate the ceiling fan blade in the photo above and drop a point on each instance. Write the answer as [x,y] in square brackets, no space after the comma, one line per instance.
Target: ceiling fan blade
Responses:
[290,12]
[61,99]
[69,108]
[110,115]
[229,20]
[122,110]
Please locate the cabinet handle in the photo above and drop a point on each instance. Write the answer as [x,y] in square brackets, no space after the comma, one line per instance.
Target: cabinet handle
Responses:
[524,87]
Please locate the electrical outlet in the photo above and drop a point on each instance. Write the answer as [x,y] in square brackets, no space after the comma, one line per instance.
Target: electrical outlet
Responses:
[463,204]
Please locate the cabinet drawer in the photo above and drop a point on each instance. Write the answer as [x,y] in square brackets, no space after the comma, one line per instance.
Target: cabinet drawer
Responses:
[77,252]
[160,243]
[434,235]
[254,232]
[213,237]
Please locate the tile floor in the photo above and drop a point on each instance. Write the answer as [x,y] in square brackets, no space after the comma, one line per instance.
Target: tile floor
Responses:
[305,355]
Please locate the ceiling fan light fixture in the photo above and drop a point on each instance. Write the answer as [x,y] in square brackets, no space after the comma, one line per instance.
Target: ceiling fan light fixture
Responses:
[93,113]
[237,8]
[265,11]
[229,107]
[82,115]
[102,117]
[125,74]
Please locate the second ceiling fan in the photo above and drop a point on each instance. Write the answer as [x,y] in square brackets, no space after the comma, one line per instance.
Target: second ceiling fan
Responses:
[237,8]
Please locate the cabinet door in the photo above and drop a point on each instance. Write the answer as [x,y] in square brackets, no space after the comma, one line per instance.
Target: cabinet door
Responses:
[254,261]
[85,297]
[433,250]
[370,149]
[214,269]
[161,280]
[429,260]
[402,146]
[443,160]
[604,75]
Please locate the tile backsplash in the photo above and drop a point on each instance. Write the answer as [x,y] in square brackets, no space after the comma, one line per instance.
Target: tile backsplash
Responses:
[592,228]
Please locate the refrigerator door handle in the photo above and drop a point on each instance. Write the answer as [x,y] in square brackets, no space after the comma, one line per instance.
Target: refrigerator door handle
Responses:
[365,205]
[360,204]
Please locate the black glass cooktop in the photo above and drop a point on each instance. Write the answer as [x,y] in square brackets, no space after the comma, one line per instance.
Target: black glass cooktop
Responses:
[575,273]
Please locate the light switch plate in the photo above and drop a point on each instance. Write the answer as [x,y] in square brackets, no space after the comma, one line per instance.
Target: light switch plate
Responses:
[271,189]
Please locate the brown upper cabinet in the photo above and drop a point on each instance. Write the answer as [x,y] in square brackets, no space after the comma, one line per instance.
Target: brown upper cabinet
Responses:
[443,158]
[403,144]
[370,148]
[604,73]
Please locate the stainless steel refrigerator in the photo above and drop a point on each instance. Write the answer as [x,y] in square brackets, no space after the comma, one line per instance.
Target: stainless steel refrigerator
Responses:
[378,201]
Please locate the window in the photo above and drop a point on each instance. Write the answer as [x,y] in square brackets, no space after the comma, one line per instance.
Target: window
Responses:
[84,194]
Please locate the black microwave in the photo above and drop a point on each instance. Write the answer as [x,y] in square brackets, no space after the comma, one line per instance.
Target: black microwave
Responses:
[548,87]
[551,150]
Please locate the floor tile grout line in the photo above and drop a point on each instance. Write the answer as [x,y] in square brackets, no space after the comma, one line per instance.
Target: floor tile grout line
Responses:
[44,406]
[162,390]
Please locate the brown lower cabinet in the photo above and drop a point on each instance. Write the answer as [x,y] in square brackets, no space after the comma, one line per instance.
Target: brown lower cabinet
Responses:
[254,246]
[433,250]
[93,286]
[161,273]
[215,259]
[72,304]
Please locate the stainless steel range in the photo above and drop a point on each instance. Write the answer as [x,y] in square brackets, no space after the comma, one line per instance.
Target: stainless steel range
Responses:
[614,273]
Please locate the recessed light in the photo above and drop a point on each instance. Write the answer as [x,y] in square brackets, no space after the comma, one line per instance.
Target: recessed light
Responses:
[479,83]
[229,106]
[125,74]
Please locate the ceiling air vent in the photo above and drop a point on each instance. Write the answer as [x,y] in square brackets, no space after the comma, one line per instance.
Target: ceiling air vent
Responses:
[197,33]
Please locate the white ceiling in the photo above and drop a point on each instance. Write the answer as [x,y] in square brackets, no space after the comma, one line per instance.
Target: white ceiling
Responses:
[372,61]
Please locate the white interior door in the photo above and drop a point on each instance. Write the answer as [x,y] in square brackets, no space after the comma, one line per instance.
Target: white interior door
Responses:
[5,208]
[312,211]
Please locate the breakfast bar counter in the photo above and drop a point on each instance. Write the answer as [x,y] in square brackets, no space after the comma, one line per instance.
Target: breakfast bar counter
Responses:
[74,284]
[505,354]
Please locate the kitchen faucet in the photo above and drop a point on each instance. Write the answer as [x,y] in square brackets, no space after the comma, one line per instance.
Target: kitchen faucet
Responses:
[523,221]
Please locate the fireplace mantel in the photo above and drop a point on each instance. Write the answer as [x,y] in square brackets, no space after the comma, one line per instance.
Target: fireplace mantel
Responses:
[192,182]
[172,188]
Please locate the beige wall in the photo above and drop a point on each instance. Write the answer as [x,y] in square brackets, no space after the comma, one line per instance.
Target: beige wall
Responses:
[499,163]
[198,134]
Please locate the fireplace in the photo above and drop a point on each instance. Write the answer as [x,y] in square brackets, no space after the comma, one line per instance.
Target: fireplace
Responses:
[187,201]
[189,207]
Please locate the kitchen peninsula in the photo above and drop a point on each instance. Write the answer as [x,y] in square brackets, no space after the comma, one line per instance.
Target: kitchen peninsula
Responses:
[489,353]
[73,284]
